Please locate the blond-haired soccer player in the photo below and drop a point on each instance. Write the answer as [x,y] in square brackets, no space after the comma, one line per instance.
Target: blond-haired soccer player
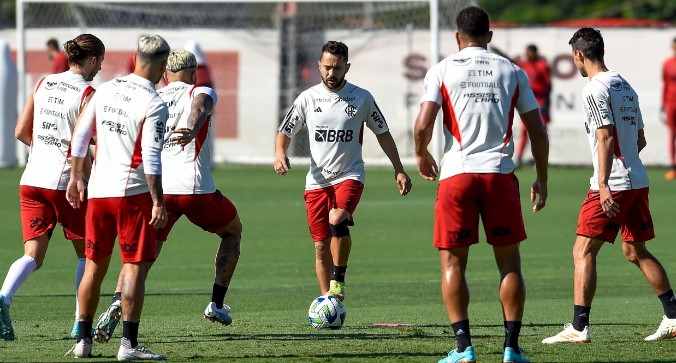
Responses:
[46,125]
[617,200]
[478,92]
[128,118]
[335,113]
[189,187]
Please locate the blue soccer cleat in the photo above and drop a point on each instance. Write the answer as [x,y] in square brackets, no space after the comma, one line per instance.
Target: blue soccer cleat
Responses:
[465,357]
[6,330]
[107,322]
[75,333]
[511,356]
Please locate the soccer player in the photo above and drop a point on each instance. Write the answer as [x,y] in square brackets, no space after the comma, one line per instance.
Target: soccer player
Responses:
[128,118]
[669,107]
[618,197]
[46,126]
[60,60]
[478,92]
[188,186]
[540,81]
[335,112]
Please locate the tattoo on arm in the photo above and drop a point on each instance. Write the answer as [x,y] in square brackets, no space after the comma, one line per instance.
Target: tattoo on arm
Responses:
[155,186]
[198,111]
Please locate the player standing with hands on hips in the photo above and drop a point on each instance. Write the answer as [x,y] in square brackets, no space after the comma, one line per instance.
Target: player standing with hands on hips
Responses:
[128,118]
[478,92]
[335,112]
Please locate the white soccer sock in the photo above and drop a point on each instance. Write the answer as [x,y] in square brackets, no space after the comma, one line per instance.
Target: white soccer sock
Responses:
[16,276]
[79,272]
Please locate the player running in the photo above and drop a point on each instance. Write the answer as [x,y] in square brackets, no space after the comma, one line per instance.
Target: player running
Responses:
[189,188]
[669,107]
[618,197]
[46,125]
[335,112]
[478,92]
[128,118]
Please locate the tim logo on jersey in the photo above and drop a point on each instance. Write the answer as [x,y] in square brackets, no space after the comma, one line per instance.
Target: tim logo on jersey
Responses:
[326,135]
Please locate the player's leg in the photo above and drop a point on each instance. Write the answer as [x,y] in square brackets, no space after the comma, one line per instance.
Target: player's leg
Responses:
[225,263]
[317,208]
[670,114]
[137,249]
[512,298]
[78,246]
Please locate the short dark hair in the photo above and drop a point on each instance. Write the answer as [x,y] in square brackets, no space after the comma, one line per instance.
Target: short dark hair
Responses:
[532,47]
[53,43]
[590,42]
[473,21]
[336,48]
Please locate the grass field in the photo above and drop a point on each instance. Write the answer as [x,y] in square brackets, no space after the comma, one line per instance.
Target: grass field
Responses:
[393,277]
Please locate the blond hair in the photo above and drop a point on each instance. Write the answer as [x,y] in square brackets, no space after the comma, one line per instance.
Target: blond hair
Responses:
[152,45]
[180,59]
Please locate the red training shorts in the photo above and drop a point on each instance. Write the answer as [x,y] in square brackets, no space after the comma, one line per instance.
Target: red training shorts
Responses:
[318,202]
[463,197]
[123,217]
[42,208]
[633,220]
[211,212]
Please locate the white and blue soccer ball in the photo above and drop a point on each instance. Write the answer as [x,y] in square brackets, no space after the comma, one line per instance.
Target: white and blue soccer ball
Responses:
[326,311]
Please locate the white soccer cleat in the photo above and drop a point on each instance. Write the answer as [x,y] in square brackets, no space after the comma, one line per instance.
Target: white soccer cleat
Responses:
[569,335]
[107,322]
[666,330]
[137,353]
[81,349]
[216,315]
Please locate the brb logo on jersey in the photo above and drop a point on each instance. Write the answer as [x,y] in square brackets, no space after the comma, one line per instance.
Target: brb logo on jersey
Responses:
[326,135]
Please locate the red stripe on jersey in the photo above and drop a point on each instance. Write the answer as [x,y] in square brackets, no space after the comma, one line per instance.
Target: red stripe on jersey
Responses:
[510,118]
[361,134]
[137,158]
[450,120]
[201,137]
[39,83]
[89,90]
[616,145]
[192,89]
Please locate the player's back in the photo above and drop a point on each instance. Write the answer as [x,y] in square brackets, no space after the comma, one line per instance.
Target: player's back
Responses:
[122,107]
[610,99]
[58,100]
[186,170]
[478,92]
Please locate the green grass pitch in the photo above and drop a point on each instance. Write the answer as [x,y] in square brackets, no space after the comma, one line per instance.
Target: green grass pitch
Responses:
[393,278]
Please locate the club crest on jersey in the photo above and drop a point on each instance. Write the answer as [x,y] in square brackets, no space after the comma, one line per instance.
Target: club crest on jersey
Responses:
[351,110]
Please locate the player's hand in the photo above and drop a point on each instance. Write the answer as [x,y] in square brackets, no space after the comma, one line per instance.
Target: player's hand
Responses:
[159,217]
[75,192]
[282,164]
[183,136]
[609,206]
[403,182]
[539,188]
[427,167]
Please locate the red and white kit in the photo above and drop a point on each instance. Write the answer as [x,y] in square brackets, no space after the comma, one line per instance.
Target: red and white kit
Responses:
[186,179]
[58,99]
[128,118]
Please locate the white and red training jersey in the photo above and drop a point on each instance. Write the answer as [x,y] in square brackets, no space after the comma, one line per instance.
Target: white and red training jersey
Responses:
[608,99]
[478,92]
[129,118]
[186,171]
[58,100]
[335,122]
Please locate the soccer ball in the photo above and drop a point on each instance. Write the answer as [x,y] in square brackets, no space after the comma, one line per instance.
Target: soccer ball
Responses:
[326,312]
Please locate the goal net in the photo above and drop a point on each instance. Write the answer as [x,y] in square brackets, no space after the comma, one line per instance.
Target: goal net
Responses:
[259,55]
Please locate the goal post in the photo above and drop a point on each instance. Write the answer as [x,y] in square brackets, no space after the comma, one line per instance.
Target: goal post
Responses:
[261,55]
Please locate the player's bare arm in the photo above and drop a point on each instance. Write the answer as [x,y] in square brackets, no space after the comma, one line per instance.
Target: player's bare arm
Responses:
[202,105]
[604,137]
[390,149]
[75,192]
[540,149]
[87,165]
[422,134]
[24,126]
[159,213]
[282,164]
[641,140]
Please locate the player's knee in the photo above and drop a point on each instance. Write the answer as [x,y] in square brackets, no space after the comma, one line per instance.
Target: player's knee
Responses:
[340,229]
[632,254]
[323,247]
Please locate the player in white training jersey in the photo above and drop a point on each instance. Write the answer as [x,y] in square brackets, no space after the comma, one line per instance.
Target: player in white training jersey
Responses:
[478,92]
[617,200]
[335,113]
[46,125]
[128,118]
[188,185]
